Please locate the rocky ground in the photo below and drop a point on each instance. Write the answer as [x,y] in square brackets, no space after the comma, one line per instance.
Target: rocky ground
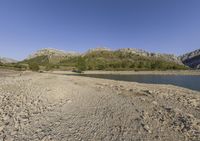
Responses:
[43,107]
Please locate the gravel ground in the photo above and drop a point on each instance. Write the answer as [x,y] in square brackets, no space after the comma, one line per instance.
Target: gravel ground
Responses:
[43,107]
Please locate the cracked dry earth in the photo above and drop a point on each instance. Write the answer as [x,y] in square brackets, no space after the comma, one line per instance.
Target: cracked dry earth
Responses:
[44,107]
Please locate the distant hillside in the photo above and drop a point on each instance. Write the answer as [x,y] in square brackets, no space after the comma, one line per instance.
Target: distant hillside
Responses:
[5,60]
[139,52]
[105,59]
[50,52]
[192,59]
[48,55]
[7,63]
[125,59]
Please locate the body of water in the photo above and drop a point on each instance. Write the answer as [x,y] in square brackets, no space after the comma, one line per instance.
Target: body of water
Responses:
[187,81]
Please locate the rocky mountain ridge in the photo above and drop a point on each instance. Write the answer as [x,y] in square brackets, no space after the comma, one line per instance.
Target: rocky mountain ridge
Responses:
[140,52]
[50,52]
[191,59]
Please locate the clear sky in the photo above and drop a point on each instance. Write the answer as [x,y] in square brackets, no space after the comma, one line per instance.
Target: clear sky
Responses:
[166,26]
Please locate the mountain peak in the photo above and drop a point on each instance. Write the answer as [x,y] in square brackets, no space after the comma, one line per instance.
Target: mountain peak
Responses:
[192,59]
[51,52]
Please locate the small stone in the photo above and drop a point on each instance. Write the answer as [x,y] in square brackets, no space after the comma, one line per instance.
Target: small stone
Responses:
[148,91]
[13,133]
[117,88]
[57,123]
[168,109]
[197,127]
[147,128]
[36,112]
[131,90]
[142,99]
[1,128]
[9,139]
[155,103]
[24,116]
[69,101]
[157,137]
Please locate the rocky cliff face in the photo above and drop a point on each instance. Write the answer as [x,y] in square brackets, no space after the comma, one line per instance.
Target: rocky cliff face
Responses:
[50,52]
[192,59]
[166,57]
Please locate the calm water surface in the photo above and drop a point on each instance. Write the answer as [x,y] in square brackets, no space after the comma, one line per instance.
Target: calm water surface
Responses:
[187,81]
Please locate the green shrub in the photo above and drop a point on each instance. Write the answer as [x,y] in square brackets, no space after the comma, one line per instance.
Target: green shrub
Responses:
[81,64]
[49,67]
[34,66]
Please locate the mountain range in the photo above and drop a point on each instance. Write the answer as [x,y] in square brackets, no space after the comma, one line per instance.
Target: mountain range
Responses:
[55,53]
[108,56]
[106,59]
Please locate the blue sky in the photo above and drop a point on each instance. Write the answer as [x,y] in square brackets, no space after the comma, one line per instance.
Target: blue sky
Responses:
[165,26]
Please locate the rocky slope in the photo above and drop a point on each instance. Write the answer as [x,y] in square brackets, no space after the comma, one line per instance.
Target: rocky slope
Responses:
[48,55]
[166,57]
[51,53]
[192,59]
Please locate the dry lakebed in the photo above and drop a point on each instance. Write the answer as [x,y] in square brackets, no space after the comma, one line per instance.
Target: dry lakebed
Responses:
[47,106]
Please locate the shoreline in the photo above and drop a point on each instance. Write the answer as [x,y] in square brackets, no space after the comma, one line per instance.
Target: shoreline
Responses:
[168,72]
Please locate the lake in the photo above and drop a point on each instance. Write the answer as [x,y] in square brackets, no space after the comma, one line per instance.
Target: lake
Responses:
[187,81]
